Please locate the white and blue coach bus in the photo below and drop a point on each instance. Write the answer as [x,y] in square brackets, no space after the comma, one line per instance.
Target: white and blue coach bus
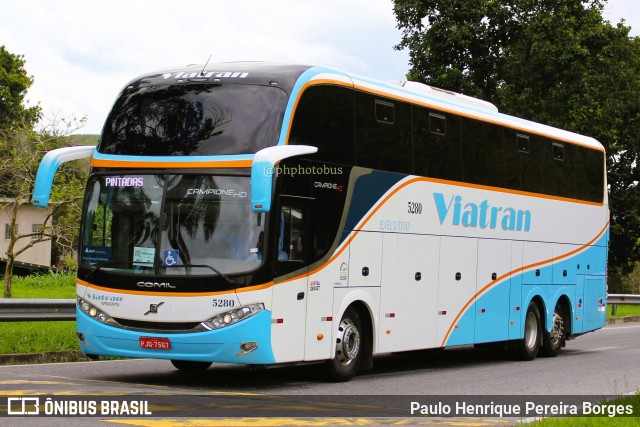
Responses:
[270,214]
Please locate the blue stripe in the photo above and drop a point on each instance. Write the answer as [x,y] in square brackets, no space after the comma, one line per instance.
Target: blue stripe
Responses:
[172,159]
[493,300]
[367,192]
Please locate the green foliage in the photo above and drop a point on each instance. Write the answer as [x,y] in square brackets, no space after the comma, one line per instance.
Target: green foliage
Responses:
[84,139]
[552,61]
[52,285]
[456,44]
[624,310]
[33,337]
[21,150]
[20,154]
[14,83]
[631,283]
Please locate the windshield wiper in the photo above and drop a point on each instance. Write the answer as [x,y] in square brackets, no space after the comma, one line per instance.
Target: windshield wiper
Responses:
[215,270]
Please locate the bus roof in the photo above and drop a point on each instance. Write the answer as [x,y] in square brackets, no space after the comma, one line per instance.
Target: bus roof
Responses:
[293,78]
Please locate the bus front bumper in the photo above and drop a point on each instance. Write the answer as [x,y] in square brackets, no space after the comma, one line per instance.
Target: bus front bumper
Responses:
[221,345]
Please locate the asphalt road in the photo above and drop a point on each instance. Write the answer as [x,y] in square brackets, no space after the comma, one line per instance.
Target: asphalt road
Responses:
[606,362]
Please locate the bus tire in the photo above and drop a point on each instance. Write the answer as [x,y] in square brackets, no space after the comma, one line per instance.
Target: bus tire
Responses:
[527,348]
[553,341]
[349,348]
[190,366]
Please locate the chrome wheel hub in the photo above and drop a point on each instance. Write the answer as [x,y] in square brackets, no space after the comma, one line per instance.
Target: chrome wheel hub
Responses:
[347,343]
[557,329]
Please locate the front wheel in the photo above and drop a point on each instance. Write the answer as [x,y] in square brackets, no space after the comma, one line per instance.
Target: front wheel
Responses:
[349,348]
[191,366]
[553,341]
[527,348]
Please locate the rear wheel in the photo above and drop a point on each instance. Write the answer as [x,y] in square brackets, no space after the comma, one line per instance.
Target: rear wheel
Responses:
[349,348]
[191,366]
[527,348]
[553,341]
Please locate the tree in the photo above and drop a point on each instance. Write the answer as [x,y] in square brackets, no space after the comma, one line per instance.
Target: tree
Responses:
[21,149]
[457,44]
[14,83]
[22,153]
[552,61]
[631,283]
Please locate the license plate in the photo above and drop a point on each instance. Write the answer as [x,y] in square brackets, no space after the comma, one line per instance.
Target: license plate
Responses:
[155,343]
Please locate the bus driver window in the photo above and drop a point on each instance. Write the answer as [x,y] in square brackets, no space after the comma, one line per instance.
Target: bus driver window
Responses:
[291,243]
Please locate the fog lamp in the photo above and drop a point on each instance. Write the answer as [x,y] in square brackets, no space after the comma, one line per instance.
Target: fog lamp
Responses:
[247,347]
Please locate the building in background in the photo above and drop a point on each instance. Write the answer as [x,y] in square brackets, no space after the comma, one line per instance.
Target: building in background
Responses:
[30,220]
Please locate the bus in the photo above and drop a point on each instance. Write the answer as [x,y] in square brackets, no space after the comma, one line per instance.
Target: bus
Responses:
[272,214]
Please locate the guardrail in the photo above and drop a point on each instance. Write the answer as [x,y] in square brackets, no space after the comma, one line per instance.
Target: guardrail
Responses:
[614,299]
[31,309]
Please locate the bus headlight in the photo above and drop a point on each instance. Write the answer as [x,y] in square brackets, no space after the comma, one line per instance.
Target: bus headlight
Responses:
[94,312]
[233,316]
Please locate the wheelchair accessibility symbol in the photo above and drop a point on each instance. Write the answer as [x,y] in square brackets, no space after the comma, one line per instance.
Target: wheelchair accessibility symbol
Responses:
[170,257]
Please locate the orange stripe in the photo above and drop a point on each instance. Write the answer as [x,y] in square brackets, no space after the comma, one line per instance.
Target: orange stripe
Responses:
[173,294]
[440,181]
[509,191]
[355,232]
[99,163]
[518,270]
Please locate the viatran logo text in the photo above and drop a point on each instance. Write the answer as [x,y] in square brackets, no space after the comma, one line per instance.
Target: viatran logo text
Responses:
[207,74]
[155,285]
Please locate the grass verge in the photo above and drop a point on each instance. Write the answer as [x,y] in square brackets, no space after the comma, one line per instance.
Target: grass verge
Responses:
[36,337]
[625,310]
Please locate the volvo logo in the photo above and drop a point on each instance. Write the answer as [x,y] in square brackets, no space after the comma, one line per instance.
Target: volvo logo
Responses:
[155,285]
[153,308]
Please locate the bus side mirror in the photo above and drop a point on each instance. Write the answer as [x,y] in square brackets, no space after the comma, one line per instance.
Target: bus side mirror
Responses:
[263,168]
[48,168]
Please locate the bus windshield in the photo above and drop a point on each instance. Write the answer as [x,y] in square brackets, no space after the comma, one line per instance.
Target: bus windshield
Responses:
[170,224]
[194,119]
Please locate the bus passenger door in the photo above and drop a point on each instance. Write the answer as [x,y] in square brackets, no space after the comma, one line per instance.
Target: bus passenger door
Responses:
[290,283]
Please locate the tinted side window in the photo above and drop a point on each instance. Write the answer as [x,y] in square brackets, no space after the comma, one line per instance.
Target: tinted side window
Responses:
[324,119]
[589,174]
[315,186]
[383,133]
[483,153]
[290,239]
[523,168]
[558,172]
[436,144]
